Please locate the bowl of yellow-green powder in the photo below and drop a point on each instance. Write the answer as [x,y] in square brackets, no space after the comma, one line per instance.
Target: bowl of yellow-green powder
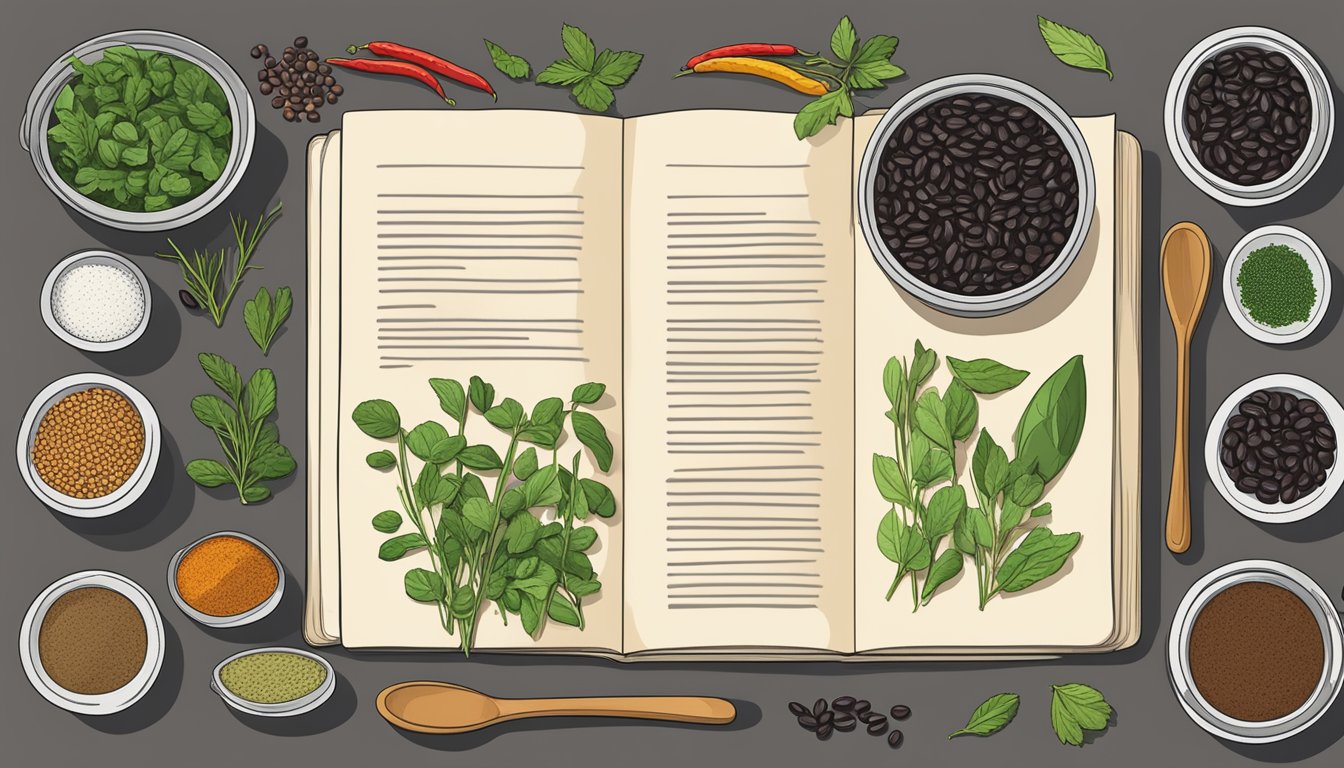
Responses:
[274,682]
[1277,285]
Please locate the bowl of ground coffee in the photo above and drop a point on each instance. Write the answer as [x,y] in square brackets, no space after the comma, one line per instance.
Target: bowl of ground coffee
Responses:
[1255,652]
[92,643]
[1249,116]
[975,194]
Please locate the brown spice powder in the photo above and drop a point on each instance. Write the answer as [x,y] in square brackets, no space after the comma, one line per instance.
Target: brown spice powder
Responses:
[226,576]
[92,640]
[1256,652]
[89,443]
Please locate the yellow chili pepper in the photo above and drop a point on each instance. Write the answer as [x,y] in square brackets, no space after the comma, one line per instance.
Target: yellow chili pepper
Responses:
[768,69]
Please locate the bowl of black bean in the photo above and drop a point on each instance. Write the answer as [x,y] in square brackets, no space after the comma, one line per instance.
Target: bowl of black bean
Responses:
[975,194]
[1271,450]
[1249,116]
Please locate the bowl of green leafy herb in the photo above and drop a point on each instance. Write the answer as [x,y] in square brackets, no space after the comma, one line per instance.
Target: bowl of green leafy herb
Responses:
[140,130]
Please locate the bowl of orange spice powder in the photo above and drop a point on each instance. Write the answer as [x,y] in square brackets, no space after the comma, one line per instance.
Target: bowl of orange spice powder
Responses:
[226,579]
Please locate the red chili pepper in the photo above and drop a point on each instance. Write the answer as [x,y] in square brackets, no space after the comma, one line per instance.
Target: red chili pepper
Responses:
[744,49]
[427,60]
[401,68]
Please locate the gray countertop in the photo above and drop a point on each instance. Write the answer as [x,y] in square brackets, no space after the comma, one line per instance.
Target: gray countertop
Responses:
[182,719]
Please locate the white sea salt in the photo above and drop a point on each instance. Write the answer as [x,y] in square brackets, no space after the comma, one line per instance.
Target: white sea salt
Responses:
[98,302]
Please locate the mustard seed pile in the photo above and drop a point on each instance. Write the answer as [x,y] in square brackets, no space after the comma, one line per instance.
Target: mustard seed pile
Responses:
[89,443]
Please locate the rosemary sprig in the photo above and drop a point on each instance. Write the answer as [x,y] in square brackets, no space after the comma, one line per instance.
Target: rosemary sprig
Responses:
[204,271]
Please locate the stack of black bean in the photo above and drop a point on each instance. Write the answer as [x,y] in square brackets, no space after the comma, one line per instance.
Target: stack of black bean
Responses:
[1278,446]
[844,714]
[300,81]
[975,194]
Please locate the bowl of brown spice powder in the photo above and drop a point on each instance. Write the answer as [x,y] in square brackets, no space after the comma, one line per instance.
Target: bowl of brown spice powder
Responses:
[92,643]
[1256,652]
[88,445]
[226,579]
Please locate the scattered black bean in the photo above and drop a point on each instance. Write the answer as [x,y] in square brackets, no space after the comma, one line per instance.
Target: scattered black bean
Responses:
[1248,115]
[824,732]
[818,707]
[303,83]
[900,712]
[877,727]
[975,194]
[843,703]
[861,706]
[187,299]
[808,721]
[1277,447]
[797,709]
[895,738]
[844,722]
[873,717]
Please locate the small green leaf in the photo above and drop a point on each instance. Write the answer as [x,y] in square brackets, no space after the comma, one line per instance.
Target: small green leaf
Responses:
[223,373]
[507,415]
[521,534]
[563,72]
[479,513]
[945,508]
[985,376]
[614,68]
[579,46]
[260,393]
[582,538]
[525,464]
[563,611]
[515,67]
[991,716]
[890,483]
[542,488]
[893,380]
[421,440]
[963,411]
[1075,708]
[594,436]
[381,460]
[452,399]
[480,457]
[844,39]
[387,521]
[587,394]
[600,500]
[377,418]
[1077,49]
[213,412]
[821,112]
[1040,555]
[945,568]
[397,547]
[931,418]
[208,473]
[925,361]
[593,94]
[481,394]
[424,586]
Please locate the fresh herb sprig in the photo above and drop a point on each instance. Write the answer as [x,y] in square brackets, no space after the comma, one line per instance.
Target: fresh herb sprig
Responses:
[204,272]
[855,68]
[991,716]
[928,427]
[251,443]
[1077,49]
[1075,708]
[264,315]
[589,75]
[514,67]
[493,546]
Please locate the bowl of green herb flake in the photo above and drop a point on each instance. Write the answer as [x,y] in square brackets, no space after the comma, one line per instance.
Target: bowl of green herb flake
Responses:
[140,130]
[1277,285]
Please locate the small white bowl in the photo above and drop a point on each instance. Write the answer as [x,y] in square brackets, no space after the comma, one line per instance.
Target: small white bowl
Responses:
[237,620]
[1320,278]
[103,703]
[299,706]
[122,497]
[93,257]
[1248,504]
[1178,652]
[1318,139]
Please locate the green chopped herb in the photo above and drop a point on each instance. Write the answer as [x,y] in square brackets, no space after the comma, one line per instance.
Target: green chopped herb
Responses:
[1277,287]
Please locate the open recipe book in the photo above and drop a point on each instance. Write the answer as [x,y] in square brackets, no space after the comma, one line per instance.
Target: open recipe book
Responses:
[707,267]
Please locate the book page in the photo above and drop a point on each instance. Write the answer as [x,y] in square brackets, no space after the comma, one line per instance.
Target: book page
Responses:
[474,243]
[739,321]
[1076,608]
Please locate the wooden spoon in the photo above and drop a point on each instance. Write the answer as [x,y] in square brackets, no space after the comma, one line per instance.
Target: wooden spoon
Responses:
[433,707]
[1185,280]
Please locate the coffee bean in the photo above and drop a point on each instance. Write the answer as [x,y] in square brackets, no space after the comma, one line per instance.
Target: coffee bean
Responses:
[844,722]
[824,732]
[187,299]
[818,707]
[300,42]
[895,738]
[1276,448]
[809,722]
[862,706]
[843,703]
[877,727]
[900,712]
[797,709]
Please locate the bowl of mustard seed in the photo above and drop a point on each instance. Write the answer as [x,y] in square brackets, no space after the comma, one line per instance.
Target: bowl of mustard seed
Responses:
[88,445]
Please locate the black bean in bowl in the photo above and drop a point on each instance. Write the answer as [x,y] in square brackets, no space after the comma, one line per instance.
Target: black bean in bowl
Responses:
[1248,115]
[975,194]
[1277,446]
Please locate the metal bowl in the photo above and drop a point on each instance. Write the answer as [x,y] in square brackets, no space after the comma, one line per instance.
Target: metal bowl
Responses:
[1318,140]
[1178,652]
[102,703]
[254,614]
[1320,278]
[299,706]
[1011,90]
[93,257]
[122,497]
[1247,504]
[41,102]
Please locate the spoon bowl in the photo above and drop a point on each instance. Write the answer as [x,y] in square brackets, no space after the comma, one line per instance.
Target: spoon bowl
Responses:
[437,707]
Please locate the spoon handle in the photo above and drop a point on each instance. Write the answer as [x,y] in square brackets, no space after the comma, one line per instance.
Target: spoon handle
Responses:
[682,709]
[1178,504]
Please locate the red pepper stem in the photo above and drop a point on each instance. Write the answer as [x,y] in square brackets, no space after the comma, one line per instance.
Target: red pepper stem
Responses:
[353,49]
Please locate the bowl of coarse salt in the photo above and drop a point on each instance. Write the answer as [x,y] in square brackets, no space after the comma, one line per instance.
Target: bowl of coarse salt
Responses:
[96,301]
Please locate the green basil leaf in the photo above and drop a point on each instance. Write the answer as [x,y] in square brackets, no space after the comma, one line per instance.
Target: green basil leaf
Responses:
[563,72]
[447,449]
[991,716]
[424,586]
[548,411]
[213,412]
[873,74]
[587,394]
[452,399]
[593,94]
[387,521]
[381,460]
[985,376]
[962,410]
[480,457]
[481,395]
[924,363]
[525,464]
[1040,555]
[582,538]
[594,436]
[890,483]
[946,567]
[1009,518]
[844,39]
[1075,708]
[255,493]
[1026,490]
[463,605]
[397,547]
[981,531]
[931,418]
[1072,47]
[945,508]
[963,533]
[821,112]
[259,394]
[579,46]
[377,418]
[526,567]
[989,465]
[563,611]
[479,514]
[512,502]
[421,440]
[1042,510]
[208,473]
[521,534]
[583,587]
[530,612]
[599,498]
[512,66]
[1052,423]
[893,381]
[223,373]
[507,415]
[542,488]
[614,68]
[272,463]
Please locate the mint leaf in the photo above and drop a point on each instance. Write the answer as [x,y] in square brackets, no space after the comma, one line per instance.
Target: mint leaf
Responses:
[515,67]
[562,72]
[1077,49]
[593,94]
[1075,708]
[821,112]
[579,46]
[844,39]
[990,717]
[613,68]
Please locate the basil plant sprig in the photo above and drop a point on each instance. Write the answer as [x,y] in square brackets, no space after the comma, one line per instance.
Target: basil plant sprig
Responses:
[483,545]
